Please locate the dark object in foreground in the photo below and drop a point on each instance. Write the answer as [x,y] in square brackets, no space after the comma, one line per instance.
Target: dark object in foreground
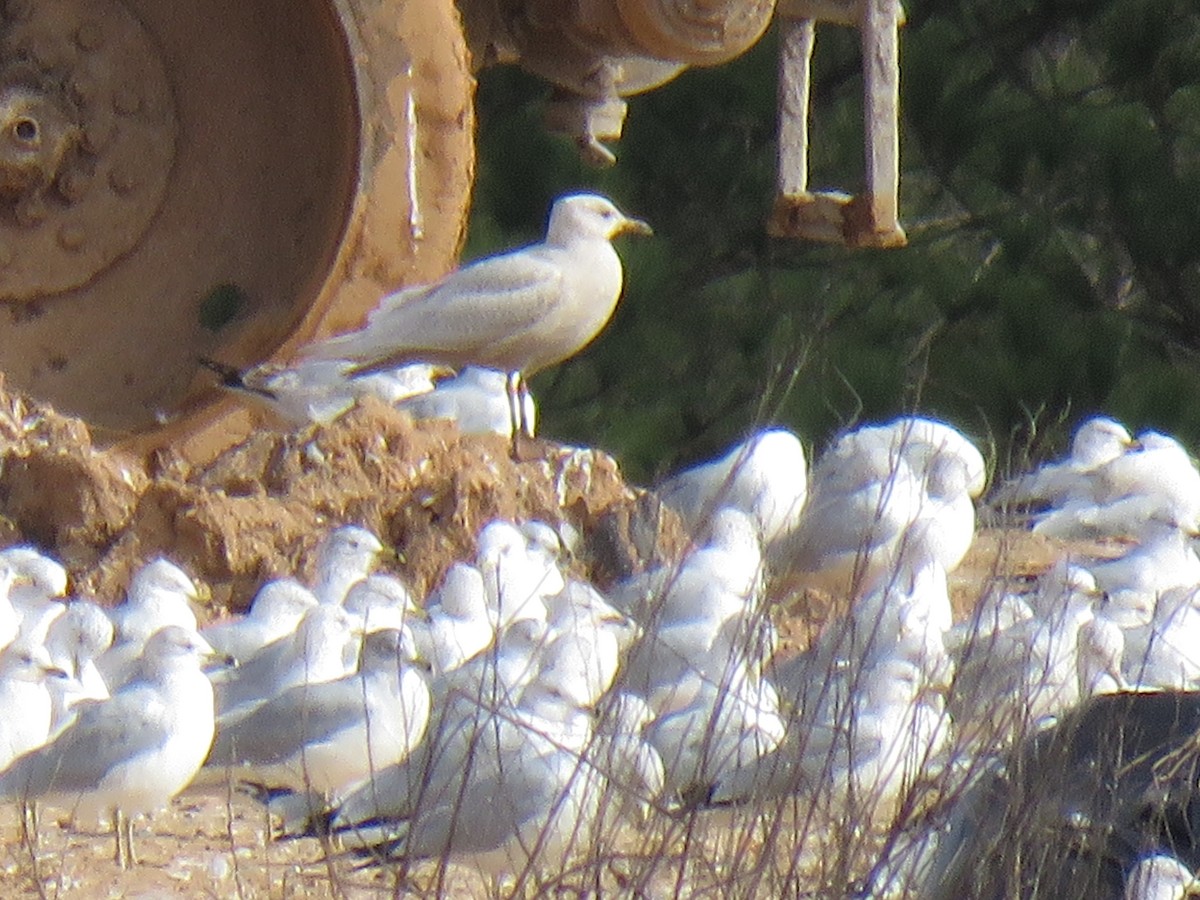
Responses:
[1079,804]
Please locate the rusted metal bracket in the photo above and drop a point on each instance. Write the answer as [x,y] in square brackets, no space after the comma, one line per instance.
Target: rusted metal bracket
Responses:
[870,219]
[597,52]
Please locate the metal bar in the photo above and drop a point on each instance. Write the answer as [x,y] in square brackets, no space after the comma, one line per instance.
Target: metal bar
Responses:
[881,84]
[795,61]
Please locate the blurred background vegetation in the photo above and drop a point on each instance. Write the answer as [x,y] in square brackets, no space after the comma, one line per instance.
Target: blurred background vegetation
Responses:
[1050,191]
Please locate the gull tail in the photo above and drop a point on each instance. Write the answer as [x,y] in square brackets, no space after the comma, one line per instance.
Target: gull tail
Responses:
[233,378]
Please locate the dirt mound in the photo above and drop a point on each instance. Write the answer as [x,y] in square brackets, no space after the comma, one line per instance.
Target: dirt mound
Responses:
[258,510]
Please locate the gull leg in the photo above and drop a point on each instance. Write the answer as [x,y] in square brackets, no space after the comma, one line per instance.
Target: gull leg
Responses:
[512,388]
[525,403]
[517,390]
[521,425]
[118,856]
[29,823]
[130,855]
[123,829]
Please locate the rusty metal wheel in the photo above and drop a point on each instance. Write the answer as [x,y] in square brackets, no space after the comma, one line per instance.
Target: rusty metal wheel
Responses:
[215,178]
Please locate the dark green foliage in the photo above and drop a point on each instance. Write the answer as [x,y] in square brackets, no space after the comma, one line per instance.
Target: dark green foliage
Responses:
[1051,194]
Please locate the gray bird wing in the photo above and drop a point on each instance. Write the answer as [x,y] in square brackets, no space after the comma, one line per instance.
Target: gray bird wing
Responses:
[104,736]
[473,308]
[277,730]
[494,806]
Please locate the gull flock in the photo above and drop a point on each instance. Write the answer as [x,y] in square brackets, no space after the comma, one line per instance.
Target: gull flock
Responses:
[511,717]
[517,715]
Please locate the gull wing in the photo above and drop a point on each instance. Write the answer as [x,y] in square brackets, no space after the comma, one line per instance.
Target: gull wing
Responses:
[277,730]
[106,735]
[457,318]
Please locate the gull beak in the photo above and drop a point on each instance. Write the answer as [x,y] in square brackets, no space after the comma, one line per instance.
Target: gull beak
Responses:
[203,595]
[212,659]
[633,226]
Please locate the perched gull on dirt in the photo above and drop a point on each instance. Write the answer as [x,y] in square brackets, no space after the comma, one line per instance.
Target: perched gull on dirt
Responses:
[1163,558]
[160,594]
[459,626]
[10,620]
[133,752]
[500,790]
[518,312]
[40,582]
[476,399]
[1021,676]
[861,740]
[1163,651]
[381,601]
[519,574]
[75,640]
[321,390]
[1099,656]
[1155,481]
[323,647]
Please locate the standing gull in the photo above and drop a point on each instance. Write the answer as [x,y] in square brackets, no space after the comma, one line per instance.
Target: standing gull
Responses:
[135,751]
[518,312]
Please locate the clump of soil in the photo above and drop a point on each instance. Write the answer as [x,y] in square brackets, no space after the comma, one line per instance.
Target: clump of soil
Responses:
[258,510]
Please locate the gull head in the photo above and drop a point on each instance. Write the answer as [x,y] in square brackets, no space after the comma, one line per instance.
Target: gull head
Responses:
[282,600]
[175,648]
[45,575]
[590,216]
[28,662]
[83,632]
[161,579]
[1100,440]
[350,546]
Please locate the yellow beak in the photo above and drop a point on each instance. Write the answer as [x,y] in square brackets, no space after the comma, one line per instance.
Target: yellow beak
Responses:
[633,226]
